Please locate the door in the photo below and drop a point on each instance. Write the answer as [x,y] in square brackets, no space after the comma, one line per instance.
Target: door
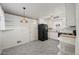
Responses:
[33,30]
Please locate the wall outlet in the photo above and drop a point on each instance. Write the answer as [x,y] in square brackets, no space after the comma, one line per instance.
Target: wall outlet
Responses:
[19,41]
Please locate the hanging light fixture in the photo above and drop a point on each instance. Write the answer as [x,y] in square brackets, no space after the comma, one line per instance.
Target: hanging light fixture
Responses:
[24,17]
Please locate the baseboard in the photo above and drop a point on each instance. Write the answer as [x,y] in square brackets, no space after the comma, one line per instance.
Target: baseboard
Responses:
[52,39]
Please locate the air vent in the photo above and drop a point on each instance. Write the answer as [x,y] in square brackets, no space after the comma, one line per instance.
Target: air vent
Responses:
[19,41]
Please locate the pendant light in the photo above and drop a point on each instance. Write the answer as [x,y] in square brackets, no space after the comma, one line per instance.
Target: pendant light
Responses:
[24,17]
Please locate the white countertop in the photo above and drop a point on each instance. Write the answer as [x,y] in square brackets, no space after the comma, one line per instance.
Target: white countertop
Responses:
[67,30]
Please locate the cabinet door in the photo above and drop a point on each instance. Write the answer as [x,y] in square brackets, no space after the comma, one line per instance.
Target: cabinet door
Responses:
[53,35]
[70,14]
[0,40]
[77,28]
[2,19]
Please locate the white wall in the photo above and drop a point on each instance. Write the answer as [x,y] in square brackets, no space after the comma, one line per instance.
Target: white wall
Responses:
[16,31]
[42,21]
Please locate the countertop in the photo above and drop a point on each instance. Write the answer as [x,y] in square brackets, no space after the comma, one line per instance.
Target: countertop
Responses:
[67,30]
[69,36]
[64,30]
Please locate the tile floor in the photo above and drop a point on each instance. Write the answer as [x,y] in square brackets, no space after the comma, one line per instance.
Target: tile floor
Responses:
[48,47]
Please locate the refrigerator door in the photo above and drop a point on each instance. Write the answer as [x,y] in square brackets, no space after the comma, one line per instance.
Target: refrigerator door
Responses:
[42,32]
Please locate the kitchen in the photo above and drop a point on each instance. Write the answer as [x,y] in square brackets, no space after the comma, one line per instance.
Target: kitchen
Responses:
[60,18]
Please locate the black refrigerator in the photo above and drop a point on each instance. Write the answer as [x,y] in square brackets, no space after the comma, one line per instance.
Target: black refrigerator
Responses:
[42,32]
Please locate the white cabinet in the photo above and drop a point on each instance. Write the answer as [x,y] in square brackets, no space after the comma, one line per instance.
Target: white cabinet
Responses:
[66,45]
[2,19]
[2,27]
[77,28]
[53,35]
[0,42]
[70,14]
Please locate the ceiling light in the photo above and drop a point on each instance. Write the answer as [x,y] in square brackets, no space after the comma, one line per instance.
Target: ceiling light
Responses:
[24,16]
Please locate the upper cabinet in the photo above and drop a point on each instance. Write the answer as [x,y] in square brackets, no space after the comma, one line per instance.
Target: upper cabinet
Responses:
[77,29]
[70,14]
[2,19]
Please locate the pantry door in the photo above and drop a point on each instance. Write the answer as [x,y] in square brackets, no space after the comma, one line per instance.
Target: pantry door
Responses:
[33,30]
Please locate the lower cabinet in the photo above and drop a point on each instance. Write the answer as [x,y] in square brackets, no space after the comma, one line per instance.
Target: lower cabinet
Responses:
[0,42]
[53,35]
[66,46]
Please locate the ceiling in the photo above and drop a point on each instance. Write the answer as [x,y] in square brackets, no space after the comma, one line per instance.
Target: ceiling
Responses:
[33,10]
